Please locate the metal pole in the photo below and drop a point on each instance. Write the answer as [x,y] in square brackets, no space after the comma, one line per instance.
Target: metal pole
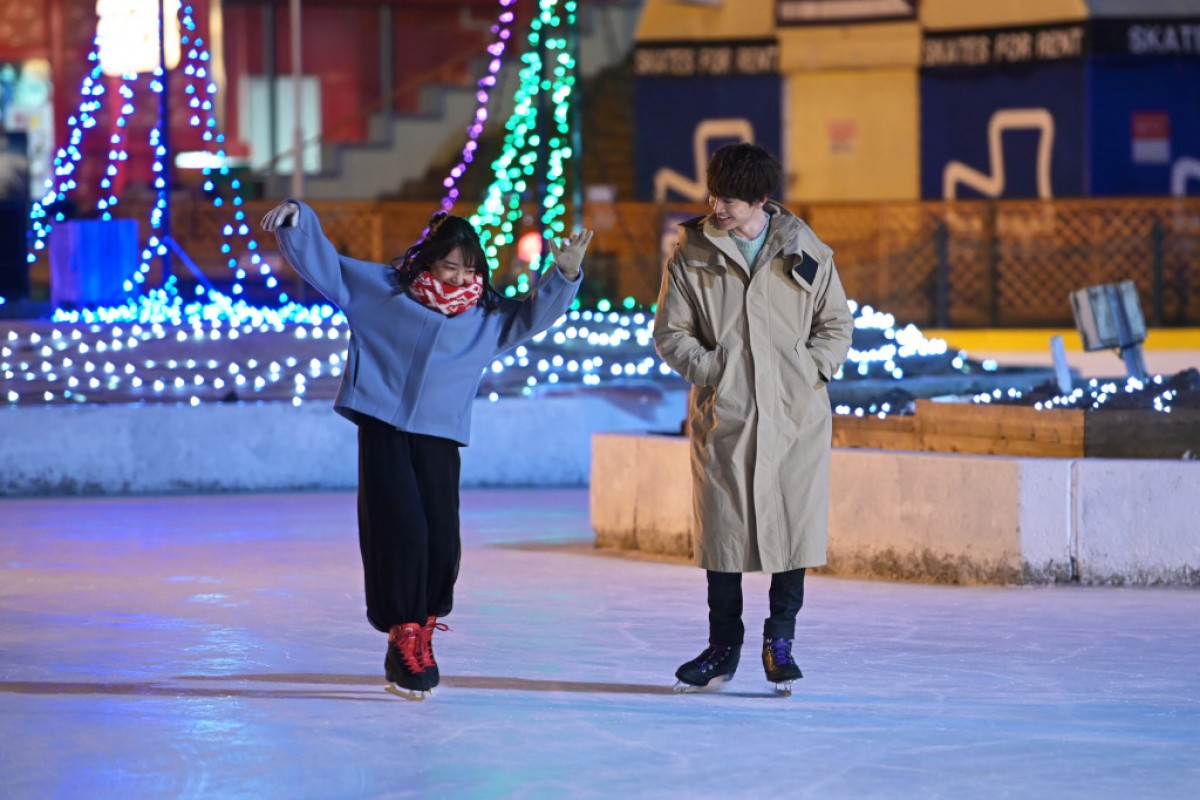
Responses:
[993,266]
[543,129]
[297,126]
[270,59]
[575,120]
[1156,266]
[164,128]
[941,312]
[1062,370]
[387,59]
[216,37]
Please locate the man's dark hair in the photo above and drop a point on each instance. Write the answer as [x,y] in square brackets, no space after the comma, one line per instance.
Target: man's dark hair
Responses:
[743,172]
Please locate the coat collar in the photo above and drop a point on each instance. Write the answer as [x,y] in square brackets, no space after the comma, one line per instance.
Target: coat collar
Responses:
[787,236]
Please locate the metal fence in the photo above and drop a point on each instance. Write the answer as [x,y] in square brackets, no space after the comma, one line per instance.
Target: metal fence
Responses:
[1012,264]
[961,264]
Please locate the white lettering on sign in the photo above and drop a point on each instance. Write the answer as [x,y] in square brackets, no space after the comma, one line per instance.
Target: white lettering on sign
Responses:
[715,60]
[958,50]
[1164,39]
[1066,43]
[757,60]
[707,59]
[1021,46]
[1013,47]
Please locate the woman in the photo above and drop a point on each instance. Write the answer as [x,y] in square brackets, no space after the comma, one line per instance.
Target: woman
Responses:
[421,333]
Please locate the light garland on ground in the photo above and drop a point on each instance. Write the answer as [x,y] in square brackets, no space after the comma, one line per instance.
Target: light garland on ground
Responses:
[171,352]
[902,343]
[1095,395]
[161,349]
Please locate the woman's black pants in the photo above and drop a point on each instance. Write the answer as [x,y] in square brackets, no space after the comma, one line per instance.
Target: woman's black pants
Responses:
[725,606]
[407,523]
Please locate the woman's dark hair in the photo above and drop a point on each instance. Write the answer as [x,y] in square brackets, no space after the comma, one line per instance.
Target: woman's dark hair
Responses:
[444,234]
[743,172]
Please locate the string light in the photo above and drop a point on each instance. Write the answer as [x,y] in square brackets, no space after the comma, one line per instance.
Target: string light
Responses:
[66,158]
[502,31]
[515,171]
[101,355]
[200,92]
[161,350]
[1096,394]
[116,151]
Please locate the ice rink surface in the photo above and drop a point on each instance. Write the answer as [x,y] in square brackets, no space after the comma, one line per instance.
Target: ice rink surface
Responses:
[216,647]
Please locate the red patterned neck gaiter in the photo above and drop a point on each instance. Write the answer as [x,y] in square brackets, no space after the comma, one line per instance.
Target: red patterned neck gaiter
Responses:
[450,300]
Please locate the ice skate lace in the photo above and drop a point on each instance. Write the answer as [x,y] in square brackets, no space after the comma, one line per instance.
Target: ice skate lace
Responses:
[781,652]
[712,657]
[426,655]
[409,645]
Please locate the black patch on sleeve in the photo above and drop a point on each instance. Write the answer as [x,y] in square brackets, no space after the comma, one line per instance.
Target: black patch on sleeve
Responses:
[807,269]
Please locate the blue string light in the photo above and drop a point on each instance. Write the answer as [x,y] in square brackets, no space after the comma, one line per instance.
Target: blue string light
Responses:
[200,92]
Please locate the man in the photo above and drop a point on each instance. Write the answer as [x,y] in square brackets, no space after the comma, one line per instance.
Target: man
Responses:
[752,314]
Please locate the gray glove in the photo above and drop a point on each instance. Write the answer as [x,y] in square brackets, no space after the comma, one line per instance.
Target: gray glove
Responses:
[283,215]
[568,253]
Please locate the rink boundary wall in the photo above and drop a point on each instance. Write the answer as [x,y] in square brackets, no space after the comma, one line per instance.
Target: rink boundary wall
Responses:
[260,447]
[940,518]
[945,518]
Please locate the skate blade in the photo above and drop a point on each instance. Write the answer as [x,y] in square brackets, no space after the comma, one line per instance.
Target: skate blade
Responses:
[714,685]
[408,694]
[784,688]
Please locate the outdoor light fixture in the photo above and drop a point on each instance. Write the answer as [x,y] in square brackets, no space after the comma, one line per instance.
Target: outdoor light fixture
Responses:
[1110,316]
[127,31]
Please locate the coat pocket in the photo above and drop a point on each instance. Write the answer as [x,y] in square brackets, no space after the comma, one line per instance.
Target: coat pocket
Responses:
[714,369]
[808,366]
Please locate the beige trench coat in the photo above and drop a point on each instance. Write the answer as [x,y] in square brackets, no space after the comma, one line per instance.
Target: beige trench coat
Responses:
[758,353]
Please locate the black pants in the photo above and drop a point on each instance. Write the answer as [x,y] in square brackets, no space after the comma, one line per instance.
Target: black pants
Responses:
[725,606]
[407,523]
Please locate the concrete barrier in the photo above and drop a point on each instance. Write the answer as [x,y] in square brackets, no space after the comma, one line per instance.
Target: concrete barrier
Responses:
[247,447]
[942,518]
[154,449]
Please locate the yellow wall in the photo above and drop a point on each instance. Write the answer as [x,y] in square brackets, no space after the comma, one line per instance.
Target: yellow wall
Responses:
[852,135]
[943,14]
[802,48]
[671,20]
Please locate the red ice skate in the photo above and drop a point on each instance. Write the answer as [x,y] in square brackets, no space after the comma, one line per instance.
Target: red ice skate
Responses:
[406,677]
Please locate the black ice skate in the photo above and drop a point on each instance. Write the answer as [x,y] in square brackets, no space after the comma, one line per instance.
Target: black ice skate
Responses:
[710,670]
[406,677]
[781,668]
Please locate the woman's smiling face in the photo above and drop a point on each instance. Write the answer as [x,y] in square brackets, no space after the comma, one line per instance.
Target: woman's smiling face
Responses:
[452,269]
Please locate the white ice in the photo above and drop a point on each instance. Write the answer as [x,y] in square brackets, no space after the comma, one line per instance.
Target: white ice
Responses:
[216,646]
